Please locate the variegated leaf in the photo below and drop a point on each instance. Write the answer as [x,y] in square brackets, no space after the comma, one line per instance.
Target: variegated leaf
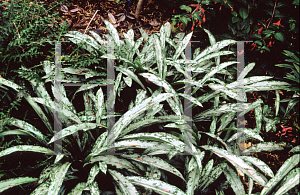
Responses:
[288,165]
[126,187]
[156,185]
[156,162]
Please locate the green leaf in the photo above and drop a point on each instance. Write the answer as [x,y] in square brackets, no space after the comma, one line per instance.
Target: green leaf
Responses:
[193,179]
[186,8]
[156,185]
[174,103]
[73,129]
[291,180]
[77,190]
[113,32]
[259,164]
[25,148]
[235,19]
[295,149]
[156,162]
[243,12]
[279,36]
[126,186]
[93,173]
[9,183]
[57,178]
[238,163]
[130,74]
[182,45]
[265,146]
[234,181]
[288,165]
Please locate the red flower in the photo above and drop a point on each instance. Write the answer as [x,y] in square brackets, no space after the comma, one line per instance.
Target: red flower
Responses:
[278,23]
[285,130]
[204,19]
[253,45]
[270,44]
[231,9]
[215,2]
[202,10]
[259,31]
[173,11]
[220,8]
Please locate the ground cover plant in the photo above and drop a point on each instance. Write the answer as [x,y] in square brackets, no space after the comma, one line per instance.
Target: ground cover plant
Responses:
[151,128]
[157,147]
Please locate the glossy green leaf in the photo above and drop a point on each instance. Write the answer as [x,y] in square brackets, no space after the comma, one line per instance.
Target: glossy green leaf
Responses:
[234,181]
[9,183]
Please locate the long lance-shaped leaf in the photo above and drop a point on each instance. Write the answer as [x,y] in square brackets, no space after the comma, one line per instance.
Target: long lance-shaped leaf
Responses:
[229,92]
[215,70]
[57,178]
[246,70]
[161,136]
[156,185]
[156,162]
[125,185]
[266,85]
[291,180]
[215,174]
[94,189]
[9,183]
[212,41]
[150,121]
[159,58]
[234,181]
[247,81]
[237,162]
[135,143]
[113,32]
[265,146]
[191,98]
[78,189]
[259,164]
[73,129]
[215,47]
[217,138]
[34,132]
[211,73]
[174,104]
[29,99]
[93,173]
[64,111]
[99,105]
[295,149]
[182,45]
[213,55]
[119,163]
[25,148]
[288,165]
[193,179]
[97,37]
[130,74]
[130,115]
[249,132]
[41,189]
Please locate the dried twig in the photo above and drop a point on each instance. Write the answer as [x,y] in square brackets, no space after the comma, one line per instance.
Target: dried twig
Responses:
[272,15]
[90,23]
[17,30]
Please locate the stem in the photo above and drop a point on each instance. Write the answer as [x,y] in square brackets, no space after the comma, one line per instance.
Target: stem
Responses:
[272,15]
[138,9]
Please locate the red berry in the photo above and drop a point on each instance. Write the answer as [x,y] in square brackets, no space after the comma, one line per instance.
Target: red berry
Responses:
[232,9]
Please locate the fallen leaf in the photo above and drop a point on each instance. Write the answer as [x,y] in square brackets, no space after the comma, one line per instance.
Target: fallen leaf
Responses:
[111,18]
[122,18]
[154,23]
